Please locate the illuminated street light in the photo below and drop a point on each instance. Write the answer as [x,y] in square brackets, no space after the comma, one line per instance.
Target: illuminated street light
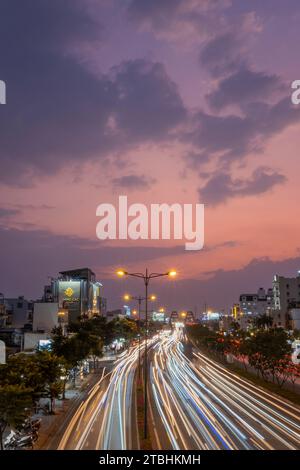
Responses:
[146,278]
[172,273]
[121,273]
[139,299]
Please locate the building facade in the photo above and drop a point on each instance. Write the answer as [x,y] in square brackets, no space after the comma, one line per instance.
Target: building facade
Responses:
[286,296]
[256,304]
[76,292]
[19,312]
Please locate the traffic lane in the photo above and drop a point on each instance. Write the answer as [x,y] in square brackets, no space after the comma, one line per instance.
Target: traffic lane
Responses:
[158,431]
[104,421]
[56,435]
[182,424]
[82,422]
[275,418]
[217,421]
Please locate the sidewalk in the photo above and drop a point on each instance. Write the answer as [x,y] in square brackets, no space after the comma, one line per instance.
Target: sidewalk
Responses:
[52,425]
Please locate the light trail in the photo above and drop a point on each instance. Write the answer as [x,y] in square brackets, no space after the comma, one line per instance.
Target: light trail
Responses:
[104,420]
[202,405]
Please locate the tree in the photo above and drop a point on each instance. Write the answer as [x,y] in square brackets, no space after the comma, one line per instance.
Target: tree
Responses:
[263,321]
[50,370]
[96,347]
[267,351]
[23,370]
[14,403]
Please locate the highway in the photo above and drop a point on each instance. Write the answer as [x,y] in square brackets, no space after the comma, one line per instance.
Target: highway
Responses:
[106,419]
[196,403]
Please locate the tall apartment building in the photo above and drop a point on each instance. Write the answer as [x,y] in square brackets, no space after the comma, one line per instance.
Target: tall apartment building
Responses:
[256,304]
[286,295]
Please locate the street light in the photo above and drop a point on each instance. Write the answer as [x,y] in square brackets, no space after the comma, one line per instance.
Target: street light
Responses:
[146,278]
[139,299]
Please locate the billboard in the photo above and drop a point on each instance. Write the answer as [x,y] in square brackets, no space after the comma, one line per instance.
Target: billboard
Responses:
[68,292]
[69,297]
[158,316]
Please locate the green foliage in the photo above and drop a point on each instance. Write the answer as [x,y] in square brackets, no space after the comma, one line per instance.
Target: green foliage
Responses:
[263,321]
[38,373]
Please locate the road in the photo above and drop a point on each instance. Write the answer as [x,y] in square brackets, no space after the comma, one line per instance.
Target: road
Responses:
[106,419]
[197,403]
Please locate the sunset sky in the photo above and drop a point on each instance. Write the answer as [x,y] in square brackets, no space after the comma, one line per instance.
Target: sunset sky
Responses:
[185,101]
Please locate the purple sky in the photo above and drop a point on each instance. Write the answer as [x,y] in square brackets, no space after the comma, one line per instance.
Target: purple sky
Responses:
[166,101]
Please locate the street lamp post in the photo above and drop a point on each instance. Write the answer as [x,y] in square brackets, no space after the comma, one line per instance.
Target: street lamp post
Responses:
[139,299]
[146,278]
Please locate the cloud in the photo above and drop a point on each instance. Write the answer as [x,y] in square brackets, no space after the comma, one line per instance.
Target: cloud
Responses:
[234,137]
[148,104]
[139,182]
[221,186]
[58,112]
[31,255]
[7,213]
[175,20]
[244,86]
[222,54]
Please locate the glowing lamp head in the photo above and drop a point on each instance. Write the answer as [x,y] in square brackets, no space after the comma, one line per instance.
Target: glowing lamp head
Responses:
[121,273]
[172,273]
[153,297]
[126,297]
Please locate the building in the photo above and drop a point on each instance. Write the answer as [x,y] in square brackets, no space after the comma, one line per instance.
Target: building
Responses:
[77,292]
[295,318]
[115,314]
[286,295]
[46,316]
[3,312]
[190,318]
[34,341]
[225,322]
[256,304]
[13,339]
[19,312]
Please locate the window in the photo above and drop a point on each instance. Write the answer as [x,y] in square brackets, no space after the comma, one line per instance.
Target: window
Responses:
[20,305]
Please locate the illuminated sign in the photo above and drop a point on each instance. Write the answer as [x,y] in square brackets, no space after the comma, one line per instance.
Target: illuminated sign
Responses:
[2,92]
[45,344]
[68,292]
[158,316]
